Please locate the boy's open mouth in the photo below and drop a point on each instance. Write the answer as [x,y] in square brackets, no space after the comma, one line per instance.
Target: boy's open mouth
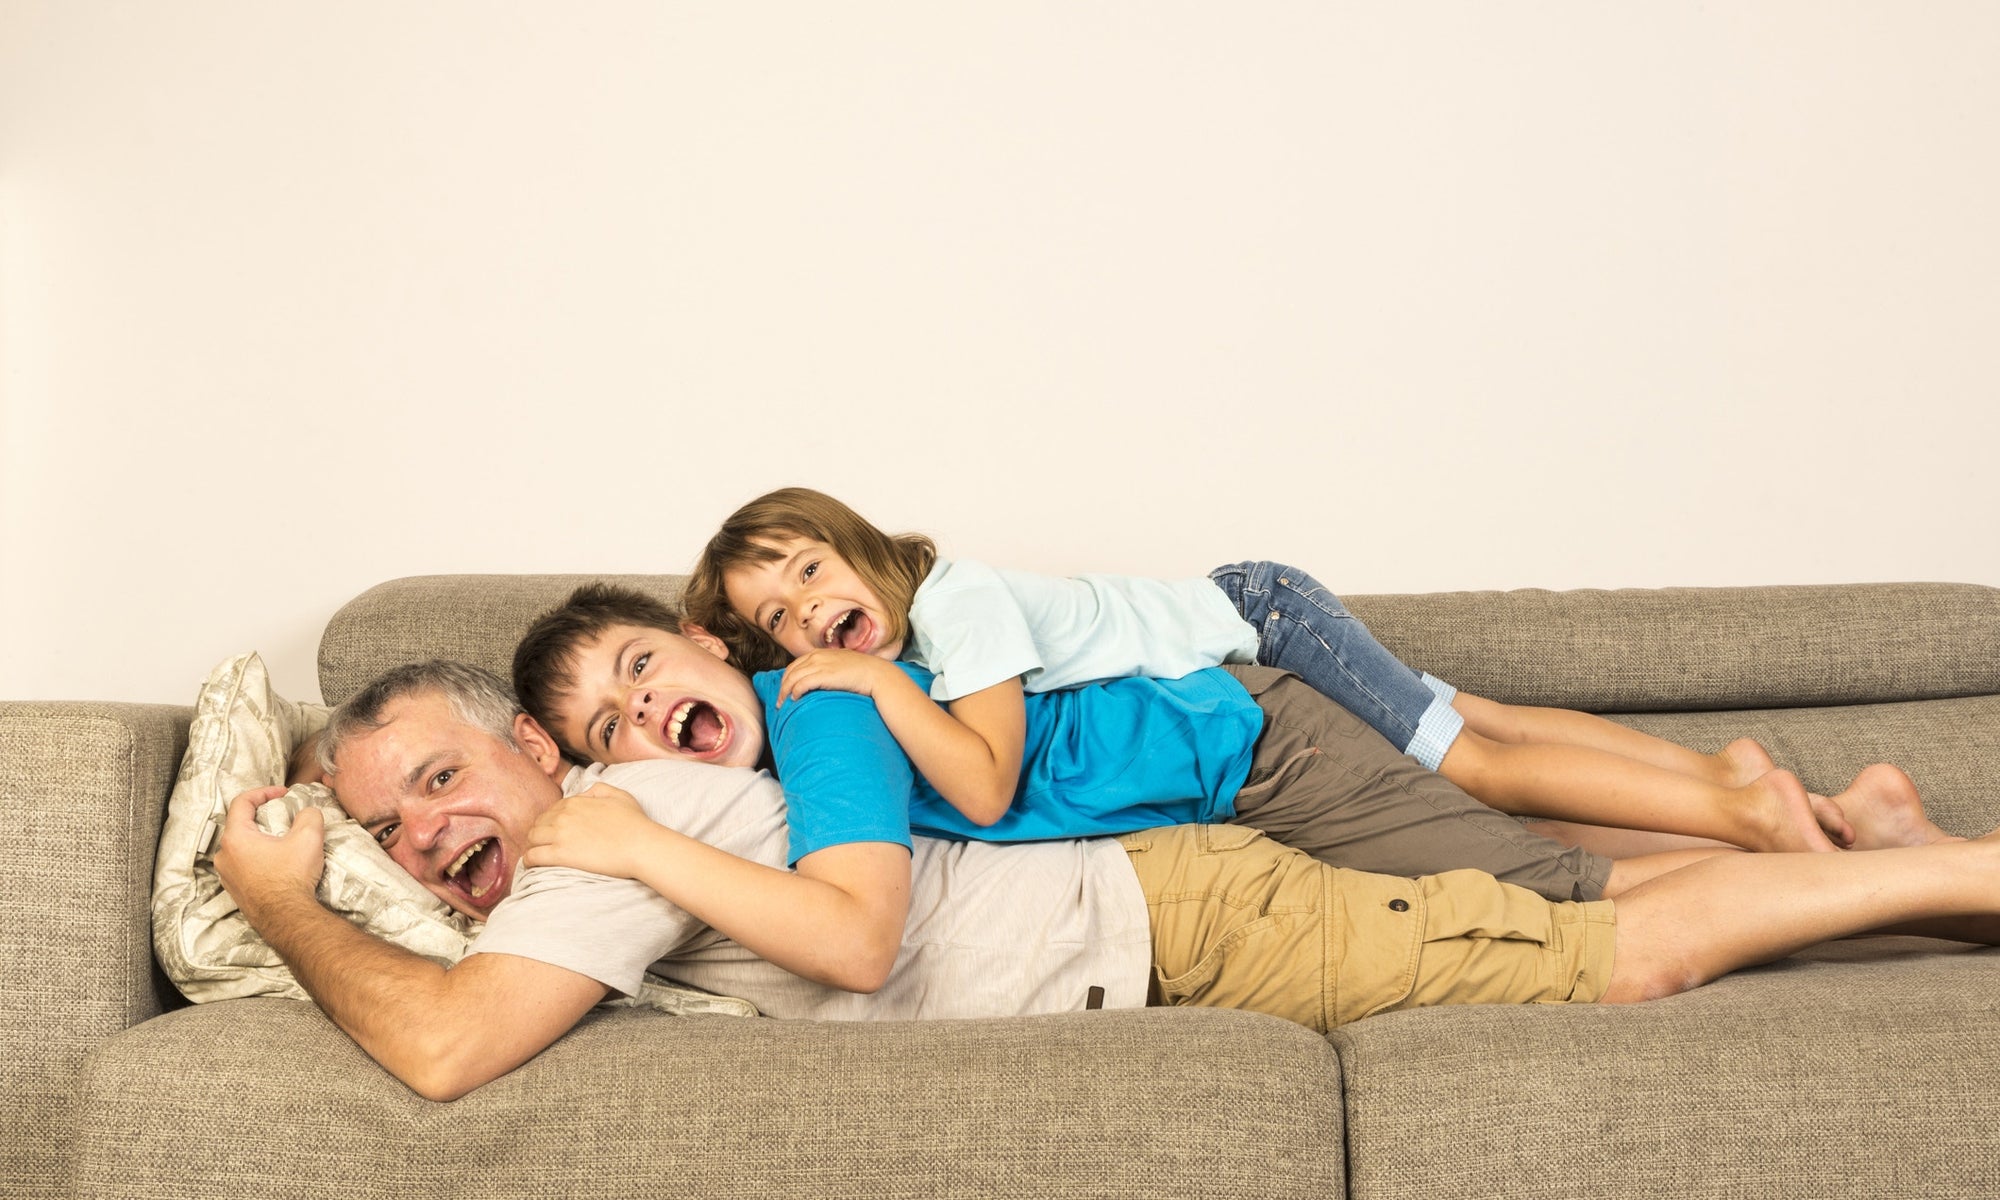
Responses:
[697,727]
[851,632]
[475,871]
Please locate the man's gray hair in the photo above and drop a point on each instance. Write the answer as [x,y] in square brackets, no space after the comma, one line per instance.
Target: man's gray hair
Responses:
[478,697]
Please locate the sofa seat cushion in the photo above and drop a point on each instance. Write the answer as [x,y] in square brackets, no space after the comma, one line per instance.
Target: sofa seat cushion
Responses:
[1854,1069]
[266,1097]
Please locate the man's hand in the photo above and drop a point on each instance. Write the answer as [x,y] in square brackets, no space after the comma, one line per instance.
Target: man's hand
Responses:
[259,869]
[838,671]
[600,830]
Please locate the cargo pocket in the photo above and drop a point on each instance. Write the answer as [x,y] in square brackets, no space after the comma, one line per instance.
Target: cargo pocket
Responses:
[1377,941]
[1488,942]
[1241,924]
[1472,904]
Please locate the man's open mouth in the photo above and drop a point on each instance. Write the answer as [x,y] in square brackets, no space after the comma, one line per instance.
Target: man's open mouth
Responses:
[851,632]
[476,871]
[697,727]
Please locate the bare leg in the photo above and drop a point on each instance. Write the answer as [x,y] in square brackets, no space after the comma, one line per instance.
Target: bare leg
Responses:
[1629,873]
[1613,842]
[1583,783]
[1683,929]
[1732,766]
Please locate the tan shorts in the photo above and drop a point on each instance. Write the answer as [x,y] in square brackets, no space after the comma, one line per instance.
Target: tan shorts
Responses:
[1240,921]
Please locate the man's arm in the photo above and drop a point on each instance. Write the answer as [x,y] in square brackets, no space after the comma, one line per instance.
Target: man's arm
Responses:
[443,1033]
[837,920]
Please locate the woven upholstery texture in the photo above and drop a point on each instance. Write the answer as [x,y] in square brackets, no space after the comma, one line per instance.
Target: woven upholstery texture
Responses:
[633,1104]
[1626,650]
[82,790]
[1828,1074]
[472,618]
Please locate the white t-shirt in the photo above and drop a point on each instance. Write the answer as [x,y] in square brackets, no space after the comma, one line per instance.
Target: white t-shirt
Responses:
[994,930]
[974,626]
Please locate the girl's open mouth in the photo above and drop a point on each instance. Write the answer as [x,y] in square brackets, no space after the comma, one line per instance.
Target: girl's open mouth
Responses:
[853,631]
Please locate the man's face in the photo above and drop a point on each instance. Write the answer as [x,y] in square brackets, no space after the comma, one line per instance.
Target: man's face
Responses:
[450,802]
[646,693]
[809,598]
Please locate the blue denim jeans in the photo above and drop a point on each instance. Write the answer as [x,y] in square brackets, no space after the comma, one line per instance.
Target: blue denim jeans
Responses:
[1305,629]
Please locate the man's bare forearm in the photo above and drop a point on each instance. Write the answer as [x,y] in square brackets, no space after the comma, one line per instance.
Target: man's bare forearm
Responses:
[441,1032]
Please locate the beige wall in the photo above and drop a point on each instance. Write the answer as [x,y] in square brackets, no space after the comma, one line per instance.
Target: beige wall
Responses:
[299,297]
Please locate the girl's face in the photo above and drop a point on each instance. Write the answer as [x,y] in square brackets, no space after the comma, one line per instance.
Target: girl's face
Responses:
[808,598]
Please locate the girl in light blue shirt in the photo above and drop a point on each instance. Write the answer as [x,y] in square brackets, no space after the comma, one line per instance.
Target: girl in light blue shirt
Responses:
[798,576]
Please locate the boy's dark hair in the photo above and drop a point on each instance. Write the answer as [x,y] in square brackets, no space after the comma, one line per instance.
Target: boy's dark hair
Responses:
[892,565]
[545,661]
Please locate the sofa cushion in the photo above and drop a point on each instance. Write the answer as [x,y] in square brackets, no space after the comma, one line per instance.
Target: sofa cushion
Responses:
[1145,1102]
[1859,1068]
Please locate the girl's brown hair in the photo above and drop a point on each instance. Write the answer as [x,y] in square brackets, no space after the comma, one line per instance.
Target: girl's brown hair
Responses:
[892,565]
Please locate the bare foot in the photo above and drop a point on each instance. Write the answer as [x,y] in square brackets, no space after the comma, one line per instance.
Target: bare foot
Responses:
[1743,761]
[1832,820]
[1778,815]
[1885,810]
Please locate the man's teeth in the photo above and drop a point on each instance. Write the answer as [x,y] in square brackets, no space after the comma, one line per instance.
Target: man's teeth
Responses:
[680,719]
[451,872]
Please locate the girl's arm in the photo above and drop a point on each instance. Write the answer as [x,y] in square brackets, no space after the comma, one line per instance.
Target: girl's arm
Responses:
[837,919]
[970,750]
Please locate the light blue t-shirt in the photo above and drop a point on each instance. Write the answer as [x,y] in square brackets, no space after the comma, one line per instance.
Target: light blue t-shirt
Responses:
[973,626]
[1109,758]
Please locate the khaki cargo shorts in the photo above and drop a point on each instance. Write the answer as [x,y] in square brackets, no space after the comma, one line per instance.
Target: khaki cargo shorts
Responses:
[1240,921]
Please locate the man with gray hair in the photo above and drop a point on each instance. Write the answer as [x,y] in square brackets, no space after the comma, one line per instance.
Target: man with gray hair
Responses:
[440,764]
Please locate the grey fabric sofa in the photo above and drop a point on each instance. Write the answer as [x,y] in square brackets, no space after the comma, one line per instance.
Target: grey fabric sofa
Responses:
[1865,1069]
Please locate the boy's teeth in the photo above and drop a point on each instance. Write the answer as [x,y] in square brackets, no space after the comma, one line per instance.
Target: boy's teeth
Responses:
[451,872]
[680,719]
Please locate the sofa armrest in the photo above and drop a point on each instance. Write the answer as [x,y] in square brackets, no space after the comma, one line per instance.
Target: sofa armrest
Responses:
[83,787]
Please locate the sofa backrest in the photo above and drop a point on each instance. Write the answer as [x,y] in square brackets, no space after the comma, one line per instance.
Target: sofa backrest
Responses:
[1630,650]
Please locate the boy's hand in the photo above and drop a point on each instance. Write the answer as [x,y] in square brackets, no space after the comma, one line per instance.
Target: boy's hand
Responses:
[598,830]
[257,867]
[838,671]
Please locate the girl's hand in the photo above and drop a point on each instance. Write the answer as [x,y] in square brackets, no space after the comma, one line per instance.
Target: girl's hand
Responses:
[839,671]
[598,830]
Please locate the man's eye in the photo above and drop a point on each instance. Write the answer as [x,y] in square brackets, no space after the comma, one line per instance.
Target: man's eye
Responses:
[385,834]
[639,664]
[442,778]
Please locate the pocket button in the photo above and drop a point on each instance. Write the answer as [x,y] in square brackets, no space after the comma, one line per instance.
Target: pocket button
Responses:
[1399,905]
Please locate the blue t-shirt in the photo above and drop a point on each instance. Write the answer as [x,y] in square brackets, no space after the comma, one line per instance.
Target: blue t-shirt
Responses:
[1109,758]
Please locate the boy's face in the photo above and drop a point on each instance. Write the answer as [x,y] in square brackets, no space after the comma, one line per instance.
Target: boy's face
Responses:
[808,598]
[646,693]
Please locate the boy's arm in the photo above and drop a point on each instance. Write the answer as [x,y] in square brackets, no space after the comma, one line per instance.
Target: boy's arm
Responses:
[837,920]
[443,1033]
[969,750]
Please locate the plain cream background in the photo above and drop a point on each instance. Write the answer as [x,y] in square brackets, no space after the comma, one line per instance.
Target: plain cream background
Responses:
[295,297]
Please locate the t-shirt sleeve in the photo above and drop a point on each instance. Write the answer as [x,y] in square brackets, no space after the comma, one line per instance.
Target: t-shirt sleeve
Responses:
[845,778]
[610,930]
[967,628]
